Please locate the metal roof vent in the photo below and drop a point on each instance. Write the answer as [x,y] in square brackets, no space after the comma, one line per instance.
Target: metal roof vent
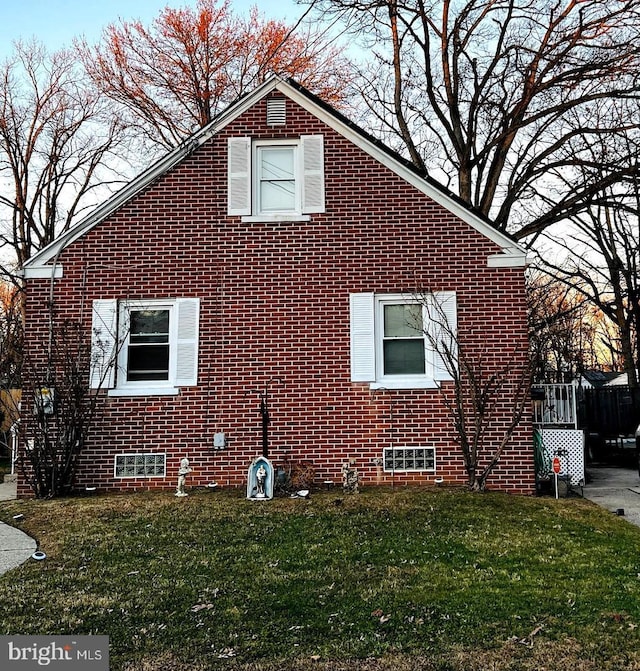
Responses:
[276,112]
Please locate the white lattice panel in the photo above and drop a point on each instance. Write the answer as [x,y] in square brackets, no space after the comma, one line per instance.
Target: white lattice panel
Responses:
[568,445]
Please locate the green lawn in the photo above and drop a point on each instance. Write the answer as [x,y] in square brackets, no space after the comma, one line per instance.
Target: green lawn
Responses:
[404,579]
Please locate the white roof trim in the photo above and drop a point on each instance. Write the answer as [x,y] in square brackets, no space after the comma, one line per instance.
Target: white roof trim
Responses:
[512,255]
[450,203]
[144,179]
[510,258]
[42,272]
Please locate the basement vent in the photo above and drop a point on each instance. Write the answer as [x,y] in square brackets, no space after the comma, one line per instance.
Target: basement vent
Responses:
[409,459]
[276,112]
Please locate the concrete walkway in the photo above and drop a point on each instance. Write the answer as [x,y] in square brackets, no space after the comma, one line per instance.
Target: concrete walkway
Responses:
[15,546]
[8,489]
[616,489]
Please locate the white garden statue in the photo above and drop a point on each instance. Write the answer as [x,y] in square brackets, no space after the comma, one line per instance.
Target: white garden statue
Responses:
[185,469]
[350,477]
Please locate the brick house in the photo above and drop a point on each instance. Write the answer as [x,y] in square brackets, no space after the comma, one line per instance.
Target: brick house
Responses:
[277,253]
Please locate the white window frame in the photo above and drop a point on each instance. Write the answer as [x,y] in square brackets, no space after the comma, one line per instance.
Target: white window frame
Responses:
[404,451]
[406,378]
[110,345]
[140,457]
[242,178]
[257,150]
[149,386]
[367,340]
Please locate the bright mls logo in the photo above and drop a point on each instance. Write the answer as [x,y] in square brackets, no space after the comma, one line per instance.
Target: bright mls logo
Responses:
[82,653]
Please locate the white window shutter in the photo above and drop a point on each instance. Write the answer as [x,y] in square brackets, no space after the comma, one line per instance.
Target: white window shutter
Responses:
[313,173]
[443,329]
[188,311]
[239,176]
[104,338]
[363,354]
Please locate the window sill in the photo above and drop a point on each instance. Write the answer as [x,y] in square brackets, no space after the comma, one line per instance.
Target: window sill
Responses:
[145,391]
[405,384]
[274,218]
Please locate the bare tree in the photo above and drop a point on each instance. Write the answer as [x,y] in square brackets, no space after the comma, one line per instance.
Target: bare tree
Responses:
[176,75]
[565,330]
[11,355]
[63,391]
[56,137]
[606,346]
[53,434]
[602,263]
[487,394]
[502,98]
[11,335]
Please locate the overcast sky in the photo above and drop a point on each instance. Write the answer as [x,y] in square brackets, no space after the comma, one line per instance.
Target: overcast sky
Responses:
[57,22]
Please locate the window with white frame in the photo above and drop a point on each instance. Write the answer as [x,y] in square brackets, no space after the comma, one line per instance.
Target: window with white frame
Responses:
[409,459]
[140,465]
[403,338]
[402,342]
[148,343]
[275,179]
[145,347]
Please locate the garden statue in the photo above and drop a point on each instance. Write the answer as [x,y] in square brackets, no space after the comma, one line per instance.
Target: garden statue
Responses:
[185,469]
[349,478]
[260,480]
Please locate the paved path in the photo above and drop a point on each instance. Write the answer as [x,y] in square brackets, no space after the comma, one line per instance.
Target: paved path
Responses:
[615,489]
[15,546]
[7,491]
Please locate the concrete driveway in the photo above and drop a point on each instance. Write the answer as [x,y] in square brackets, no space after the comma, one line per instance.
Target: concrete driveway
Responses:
[615,489]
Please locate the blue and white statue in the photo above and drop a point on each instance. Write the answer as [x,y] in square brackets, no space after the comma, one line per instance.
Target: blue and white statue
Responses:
[260,480]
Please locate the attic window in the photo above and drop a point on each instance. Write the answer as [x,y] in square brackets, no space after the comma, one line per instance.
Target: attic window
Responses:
[276,112]
[275,180]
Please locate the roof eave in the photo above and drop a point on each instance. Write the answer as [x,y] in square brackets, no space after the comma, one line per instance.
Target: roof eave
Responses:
[511,248]
[35,266]
[512,255]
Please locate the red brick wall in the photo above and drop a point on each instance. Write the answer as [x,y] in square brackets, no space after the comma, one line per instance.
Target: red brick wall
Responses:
[275,303]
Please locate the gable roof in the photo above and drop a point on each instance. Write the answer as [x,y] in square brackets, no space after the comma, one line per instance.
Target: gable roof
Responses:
[44,262]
